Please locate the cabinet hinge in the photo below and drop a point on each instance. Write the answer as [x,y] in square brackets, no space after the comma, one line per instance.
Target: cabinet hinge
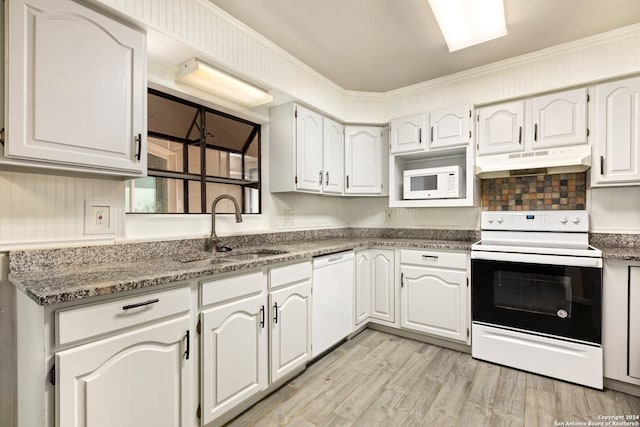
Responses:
[470,114]
[469,134]
[295,179]
[199,411]
[467,282]
[587,131]
[295,113]
[199,326]
[478,117]
[52,375]
[2,136]
[588,97]
[467,332]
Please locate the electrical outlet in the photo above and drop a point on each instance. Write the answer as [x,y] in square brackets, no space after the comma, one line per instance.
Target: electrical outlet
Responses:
[97,218]
[388,215]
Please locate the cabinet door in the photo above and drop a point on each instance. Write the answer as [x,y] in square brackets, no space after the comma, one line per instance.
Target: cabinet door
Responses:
[617,142]
[501,128]
[290,328]
[234,355]
[408,134]
[308,150]
[560,119]
[139,378]
[434,302]
[634,322]
[333,157]
[449,127]
[363,286]
[76,86]
[363,160]
[382,285]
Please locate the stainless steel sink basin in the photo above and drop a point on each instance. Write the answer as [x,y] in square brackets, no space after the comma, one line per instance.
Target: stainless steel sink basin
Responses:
[260,253]
[231,256]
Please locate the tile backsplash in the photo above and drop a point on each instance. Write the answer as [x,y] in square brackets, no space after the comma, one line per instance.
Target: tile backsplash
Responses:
[539,192]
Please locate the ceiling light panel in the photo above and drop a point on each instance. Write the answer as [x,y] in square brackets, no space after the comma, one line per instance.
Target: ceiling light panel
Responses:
[465,23]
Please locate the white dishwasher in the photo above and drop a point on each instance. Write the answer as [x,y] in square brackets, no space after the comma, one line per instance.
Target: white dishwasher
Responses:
[332,309]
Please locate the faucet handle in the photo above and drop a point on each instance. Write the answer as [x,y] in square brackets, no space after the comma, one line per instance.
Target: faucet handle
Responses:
[222,248]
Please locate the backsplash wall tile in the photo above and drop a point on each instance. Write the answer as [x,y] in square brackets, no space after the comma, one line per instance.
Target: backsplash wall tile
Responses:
[531,193]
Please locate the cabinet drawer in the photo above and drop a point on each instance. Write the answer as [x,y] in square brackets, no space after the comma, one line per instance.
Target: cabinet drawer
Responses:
[289,274]
[227,288]
[434,259]
[84,322]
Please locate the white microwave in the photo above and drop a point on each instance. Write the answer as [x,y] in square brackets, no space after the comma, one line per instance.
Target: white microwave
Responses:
[434,183]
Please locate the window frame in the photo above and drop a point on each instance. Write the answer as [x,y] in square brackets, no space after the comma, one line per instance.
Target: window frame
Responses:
[199,121]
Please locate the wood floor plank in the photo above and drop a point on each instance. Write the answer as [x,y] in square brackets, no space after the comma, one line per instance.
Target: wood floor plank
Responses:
[377,379]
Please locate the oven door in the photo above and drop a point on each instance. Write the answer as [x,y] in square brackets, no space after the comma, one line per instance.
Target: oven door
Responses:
[546,296]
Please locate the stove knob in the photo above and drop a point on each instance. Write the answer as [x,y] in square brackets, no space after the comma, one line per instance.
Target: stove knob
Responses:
[564,220]
[490,220]
[500,220]
[575,219]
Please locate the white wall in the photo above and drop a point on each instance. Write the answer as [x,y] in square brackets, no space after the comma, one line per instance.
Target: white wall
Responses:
[42,210]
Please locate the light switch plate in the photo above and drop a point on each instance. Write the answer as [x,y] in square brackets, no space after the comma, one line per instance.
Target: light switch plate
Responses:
[98,217]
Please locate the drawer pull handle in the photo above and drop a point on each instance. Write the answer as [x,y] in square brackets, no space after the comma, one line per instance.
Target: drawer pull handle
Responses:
[262,317]
[140,304]
[433,257]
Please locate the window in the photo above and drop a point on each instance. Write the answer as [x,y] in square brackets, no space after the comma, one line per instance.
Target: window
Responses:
[194,155]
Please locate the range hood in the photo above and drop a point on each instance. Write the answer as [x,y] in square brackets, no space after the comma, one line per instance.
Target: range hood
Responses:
[576,158]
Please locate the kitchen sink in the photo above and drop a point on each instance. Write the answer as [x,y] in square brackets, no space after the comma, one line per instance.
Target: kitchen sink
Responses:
[226,257]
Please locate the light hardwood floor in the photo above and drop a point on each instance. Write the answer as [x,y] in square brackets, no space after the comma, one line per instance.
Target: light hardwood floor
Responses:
[377,379]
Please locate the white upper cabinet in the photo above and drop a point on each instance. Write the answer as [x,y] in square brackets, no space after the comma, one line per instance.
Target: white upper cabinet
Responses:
[449,127]
[333,157]
[408,134]
[560,119]
[501,128]
[364,160]
[76,84]
[616,150]
[309,150]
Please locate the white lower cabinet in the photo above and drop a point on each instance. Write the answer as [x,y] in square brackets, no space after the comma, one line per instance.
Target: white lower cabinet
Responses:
[249,335]
[363,286]
[125,361]
[132,379]
[375,290]
[290,318]
[382,285]
[234,355]
[621,321]
[433,294]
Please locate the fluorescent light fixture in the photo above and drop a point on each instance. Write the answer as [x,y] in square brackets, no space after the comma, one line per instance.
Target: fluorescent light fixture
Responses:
[199,75]
[464,23]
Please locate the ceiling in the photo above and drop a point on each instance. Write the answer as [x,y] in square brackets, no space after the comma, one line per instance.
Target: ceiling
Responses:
[381,45]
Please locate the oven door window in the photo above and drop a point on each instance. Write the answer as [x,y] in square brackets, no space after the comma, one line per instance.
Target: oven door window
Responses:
[533,292]
[564,301]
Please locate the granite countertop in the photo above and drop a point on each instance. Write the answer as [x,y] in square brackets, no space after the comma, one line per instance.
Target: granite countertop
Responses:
[620,253]
[624,247]
[61,281]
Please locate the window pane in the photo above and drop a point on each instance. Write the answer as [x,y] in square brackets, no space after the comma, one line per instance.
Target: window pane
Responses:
[165,155]
[195,200]
[224,206]
[172,118]
[156,195]
[194,159]
[227,133]
[251,170]
[217,163]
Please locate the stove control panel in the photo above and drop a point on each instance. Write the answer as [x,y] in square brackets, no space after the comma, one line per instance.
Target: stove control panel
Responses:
[576,221]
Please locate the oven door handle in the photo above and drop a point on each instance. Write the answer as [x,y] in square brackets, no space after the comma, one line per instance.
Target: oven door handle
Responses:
[538,259]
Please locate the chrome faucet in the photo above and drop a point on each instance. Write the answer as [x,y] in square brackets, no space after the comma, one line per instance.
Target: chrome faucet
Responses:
[212,243]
